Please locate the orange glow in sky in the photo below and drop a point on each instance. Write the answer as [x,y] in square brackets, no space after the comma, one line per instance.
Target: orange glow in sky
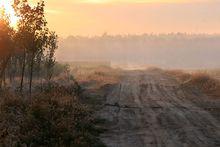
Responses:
[138,1]
[95,17]
[7,6]
[108,1]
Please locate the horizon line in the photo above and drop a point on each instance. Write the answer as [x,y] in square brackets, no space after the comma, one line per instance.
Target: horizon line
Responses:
[141,34]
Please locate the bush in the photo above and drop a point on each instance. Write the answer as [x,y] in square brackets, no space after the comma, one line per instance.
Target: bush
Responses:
[47,120]
[205,83]
[56,89]
[202,81]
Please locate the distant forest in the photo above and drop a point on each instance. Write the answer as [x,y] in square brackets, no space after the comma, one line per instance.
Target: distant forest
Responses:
[164,50]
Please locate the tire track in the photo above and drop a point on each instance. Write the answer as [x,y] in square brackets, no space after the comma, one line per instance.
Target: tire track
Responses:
[148,108]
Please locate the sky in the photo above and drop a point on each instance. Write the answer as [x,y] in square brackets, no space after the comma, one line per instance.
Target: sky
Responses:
[95,17]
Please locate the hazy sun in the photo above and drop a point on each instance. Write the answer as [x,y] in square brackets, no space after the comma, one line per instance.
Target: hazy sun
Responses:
[7,6]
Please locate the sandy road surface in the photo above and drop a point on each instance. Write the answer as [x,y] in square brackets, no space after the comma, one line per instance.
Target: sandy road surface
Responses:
[149,109]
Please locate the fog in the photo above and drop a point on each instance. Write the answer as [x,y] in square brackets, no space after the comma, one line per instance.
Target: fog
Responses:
[165,50]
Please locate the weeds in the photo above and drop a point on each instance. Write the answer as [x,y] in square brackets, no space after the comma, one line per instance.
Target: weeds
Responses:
[54,118]
[202,81]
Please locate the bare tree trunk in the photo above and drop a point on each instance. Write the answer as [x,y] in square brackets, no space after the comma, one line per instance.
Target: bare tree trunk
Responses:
[1,81]
[4,79]
[31,74]
[22,72]
[3,68]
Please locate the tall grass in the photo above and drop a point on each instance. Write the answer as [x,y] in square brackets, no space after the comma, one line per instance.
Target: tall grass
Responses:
[202,81]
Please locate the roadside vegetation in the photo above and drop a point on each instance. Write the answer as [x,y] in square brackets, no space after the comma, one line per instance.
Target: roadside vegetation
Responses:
[204,81]
[40,101]
[55,117]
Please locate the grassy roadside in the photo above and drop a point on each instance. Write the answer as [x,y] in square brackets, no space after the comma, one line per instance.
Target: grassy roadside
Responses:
[206,89]
[55,117]
[202,81]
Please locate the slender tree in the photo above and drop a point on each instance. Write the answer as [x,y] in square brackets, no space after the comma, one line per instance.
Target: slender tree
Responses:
[6,44]
[50,59]
[32,35]
[23,34]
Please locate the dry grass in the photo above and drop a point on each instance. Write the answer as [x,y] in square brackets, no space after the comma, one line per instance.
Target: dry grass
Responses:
[54,117]
[203,81]
[206,83]
[180,75]
[97,77]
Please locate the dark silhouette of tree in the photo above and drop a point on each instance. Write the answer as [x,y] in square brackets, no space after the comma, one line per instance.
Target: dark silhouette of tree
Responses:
[6,45]
[50,59]
[33,36]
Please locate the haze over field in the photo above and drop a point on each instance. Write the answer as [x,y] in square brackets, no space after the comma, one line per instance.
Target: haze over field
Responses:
[110,73]
[172,51]
[136,17]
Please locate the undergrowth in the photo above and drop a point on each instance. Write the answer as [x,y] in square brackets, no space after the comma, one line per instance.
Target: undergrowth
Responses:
[53,118]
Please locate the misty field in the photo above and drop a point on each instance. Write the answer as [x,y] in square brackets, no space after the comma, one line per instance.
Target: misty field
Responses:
[109,73]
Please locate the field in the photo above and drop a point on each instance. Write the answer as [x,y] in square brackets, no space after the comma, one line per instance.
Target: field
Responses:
[94,104]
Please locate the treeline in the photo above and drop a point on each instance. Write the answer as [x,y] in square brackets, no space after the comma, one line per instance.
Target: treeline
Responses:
[164,50]
[146,37]
[28,50]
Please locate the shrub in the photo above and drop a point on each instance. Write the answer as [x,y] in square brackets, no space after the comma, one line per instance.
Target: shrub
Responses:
[202,81]
[47,120]
[205,83]
[56,89]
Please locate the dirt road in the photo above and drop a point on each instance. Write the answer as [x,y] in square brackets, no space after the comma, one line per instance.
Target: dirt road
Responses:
[150,109]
